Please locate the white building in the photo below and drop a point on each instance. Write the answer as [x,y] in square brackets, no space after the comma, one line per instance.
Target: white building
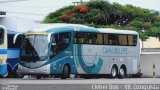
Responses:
[15,23]
[151,42]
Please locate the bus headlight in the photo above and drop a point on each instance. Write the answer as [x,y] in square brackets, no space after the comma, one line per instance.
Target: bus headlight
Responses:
[53,66]
[46,66]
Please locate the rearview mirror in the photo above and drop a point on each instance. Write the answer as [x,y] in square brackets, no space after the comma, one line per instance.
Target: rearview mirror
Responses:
[15,37]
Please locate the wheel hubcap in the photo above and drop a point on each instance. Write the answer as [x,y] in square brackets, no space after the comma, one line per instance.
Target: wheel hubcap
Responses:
[121,71]
[114,72]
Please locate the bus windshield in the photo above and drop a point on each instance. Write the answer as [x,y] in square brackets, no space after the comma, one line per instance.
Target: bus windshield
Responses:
[34,48]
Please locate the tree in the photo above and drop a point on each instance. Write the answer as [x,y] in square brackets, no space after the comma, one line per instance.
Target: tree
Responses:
[99,13]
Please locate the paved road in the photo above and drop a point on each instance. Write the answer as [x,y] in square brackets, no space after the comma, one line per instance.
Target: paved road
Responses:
[81,81]
[80,84]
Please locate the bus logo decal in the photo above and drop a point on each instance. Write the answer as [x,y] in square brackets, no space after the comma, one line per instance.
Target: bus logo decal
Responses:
[81,65]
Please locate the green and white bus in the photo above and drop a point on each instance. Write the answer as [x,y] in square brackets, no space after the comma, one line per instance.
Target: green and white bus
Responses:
[64,49]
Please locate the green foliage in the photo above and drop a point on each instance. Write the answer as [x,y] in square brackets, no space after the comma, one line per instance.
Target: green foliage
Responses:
[155,31]
[143,35]
[136,23]
[102,14]
[54,16]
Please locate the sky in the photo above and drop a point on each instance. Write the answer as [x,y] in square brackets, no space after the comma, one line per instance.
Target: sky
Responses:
[38,9]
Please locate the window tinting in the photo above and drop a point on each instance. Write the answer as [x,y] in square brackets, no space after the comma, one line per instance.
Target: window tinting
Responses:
[34,48]
[1,35]
[19,41]
[132,40]
[61,41]
[94,38]
[122,39]
[10,41]
[113,39]
[100,38]
[105,38]
[88,38]
[80,38]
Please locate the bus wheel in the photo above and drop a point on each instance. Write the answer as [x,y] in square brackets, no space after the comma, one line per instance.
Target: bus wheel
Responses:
[18,75]
[114,72]
[66,72]
[122,72]
[38,77]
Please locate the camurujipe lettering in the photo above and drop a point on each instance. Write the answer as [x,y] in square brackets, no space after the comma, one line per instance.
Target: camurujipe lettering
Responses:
[115,50]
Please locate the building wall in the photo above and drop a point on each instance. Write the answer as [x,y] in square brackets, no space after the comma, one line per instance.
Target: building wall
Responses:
[147,63]
[151,42]
[17,23]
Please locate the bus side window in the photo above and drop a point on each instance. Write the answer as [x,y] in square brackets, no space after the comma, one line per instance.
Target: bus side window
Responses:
[113,39]
[92,38]
[122,40]
[100,38]
[53,46]
[1,35]
[132,40]
[135,40]
[105,36]
[95,38]
[10,41]
[80,38]
[61,41]
[19,41]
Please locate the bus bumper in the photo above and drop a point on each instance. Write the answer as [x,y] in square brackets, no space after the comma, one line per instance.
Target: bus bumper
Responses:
[3,69]
[44,70]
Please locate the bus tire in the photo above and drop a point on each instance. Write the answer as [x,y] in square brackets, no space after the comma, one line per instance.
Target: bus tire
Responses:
[122,72]
[9,73]
[66,72]
[114,72]
[38,77]
[18,75]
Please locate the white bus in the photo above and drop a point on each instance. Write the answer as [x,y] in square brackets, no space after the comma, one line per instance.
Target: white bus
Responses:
[122,52]
[64,49]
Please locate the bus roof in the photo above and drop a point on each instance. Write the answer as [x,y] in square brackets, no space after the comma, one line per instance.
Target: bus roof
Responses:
[1,26]
[63,27]
[45,27]
[118,31]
